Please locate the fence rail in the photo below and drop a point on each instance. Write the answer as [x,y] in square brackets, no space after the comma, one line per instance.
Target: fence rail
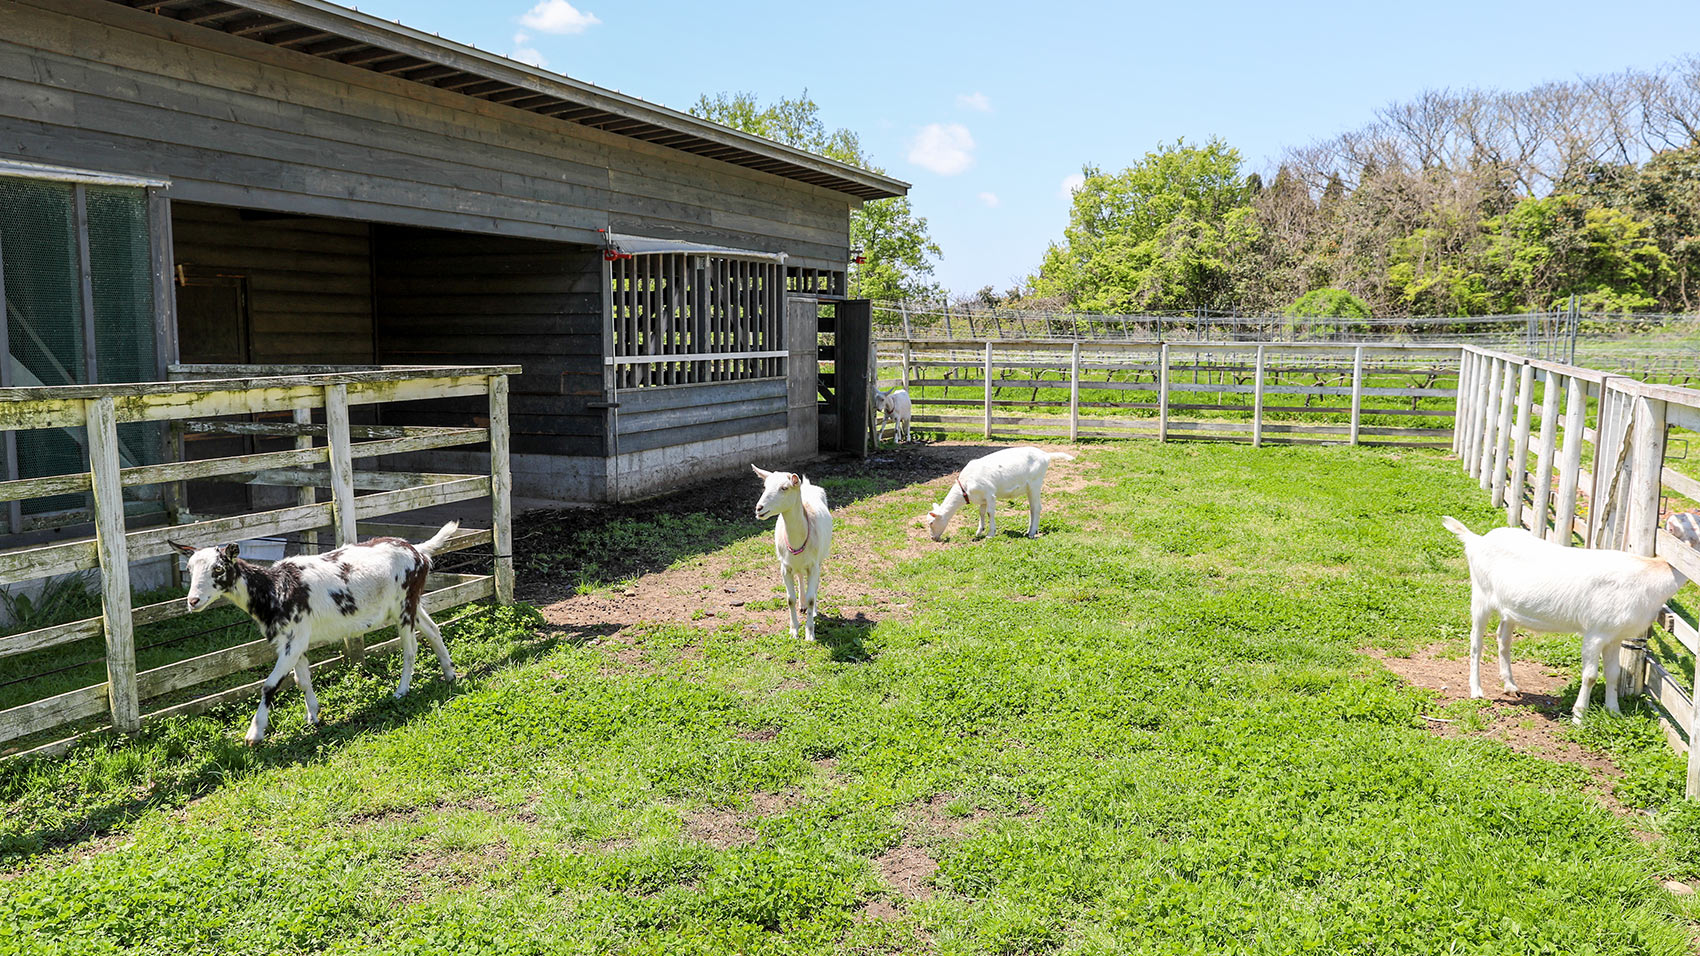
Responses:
[324,456]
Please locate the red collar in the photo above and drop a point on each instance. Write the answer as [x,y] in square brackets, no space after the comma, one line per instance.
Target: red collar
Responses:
[806,532]
[964,488]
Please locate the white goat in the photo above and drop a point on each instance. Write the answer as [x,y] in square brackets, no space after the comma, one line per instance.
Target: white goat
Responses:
[1605,596]
[805,518]
[317,598]
[893,406]
[1685,527]
[1002,474]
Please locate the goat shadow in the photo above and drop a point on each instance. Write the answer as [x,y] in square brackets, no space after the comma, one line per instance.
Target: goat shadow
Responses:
[226,758]
[845,637]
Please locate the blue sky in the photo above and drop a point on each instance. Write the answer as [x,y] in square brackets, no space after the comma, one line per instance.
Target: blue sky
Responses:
[987,107]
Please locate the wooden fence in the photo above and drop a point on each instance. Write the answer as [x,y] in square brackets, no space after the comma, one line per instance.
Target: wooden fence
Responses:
[128,698]
[1568,417]
[1264,393]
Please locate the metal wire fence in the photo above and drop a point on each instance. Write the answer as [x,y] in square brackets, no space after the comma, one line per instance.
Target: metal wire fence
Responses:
[1665,346]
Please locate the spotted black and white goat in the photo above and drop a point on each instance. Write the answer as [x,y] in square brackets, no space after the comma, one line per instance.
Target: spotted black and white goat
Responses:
[315,599]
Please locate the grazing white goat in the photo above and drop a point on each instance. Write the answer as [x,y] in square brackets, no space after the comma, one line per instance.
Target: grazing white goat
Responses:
[801,538]
[1002,474]
[1685,527]
[893,406]
[1605,596]
[318,598]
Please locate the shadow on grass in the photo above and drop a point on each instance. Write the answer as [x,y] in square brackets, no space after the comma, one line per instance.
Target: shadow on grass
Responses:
[202,755]
[844,637]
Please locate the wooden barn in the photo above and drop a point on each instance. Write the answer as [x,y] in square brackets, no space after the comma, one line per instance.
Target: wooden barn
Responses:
[290,183]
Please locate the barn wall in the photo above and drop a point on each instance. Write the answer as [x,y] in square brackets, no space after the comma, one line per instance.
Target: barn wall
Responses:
[309,281]
[91,84]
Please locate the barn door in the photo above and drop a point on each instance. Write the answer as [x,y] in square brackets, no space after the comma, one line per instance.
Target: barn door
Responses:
[801,373]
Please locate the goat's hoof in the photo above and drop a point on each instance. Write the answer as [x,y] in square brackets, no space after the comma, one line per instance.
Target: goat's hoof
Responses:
[315,722]
[400,692]
[252,739]
[1476,693]
[1512,688]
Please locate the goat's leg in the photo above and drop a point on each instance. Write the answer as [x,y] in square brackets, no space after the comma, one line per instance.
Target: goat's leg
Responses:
[1479,615]
[1611,654]
[294,645]
[790,596]
[1033,511]
[1505,655]
[989,516]
[304,680]
[408,631]
[435,636]
[809,599]
[1591,647]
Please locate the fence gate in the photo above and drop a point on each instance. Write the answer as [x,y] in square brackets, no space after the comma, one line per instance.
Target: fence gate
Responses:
[846,375]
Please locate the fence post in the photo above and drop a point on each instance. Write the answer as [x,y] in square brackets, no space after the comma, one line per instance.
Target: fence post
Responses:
[1647,462]
[114,554]
[1481,400]
[1502,434]
[1541,486]
[1162,389]
[1520,446]
[1490,422]
[1257,403]
[1459,429]
[988,385]
[1570,459]
[306,494]
[1357,391]
[904,374]
[342,489]
[1074,394]
[501,491]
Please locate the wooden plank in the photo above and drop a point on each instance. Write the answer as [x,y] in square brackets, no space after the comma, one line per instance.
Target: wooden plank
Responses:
[151,542]
[987,379]
[1488,404]
[501,488]
[1570,458]
[1542,484]
[108,504]
[1520,446]
[1680,629]
[1502,433]
[426,496]
[1357,391]
[50,712]
[1258,388]
[342,487]
[1460,432]
[1679,554]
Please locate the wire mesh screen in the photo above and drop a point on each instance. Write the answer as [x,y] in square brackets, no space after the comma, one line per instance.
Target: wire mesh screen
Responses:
[671,309]
[121,268]
[44,317]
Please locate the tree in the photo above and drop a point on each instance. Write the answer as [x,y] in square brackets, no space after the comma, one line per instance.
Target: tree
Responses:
[898,252]
[1162,234]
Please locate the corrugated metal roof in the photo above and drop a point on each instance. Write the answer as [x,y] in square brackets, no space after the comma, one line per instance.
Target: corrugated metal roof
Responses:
[331,32]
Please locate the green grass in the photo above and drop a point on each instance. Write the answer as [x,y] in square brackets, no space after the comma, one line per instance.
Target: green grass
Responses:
[1151,731]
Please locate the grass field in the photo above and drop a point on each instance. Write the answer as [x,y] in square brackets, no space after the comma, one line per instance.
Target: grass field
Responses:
[1154,729]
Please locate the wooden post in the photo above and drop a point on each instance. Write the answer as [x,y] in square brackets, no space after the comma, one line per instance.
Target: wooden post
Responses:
[1469,411]
[988,383]
[1460,418]
[307,494]
[904,374]
[1570,459]
[342,489]
[1162,391]
[1520,447]
[1502,434]
[1357,391]
[1641,526]
[1074,393]
[114,555]
[1257,402]
[1542,484]
[1484,441]
[501,490]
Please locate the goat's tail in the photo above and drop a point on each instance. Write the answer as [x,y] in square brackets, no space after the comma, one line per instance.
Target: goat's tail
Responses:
[437,540]
[1059,456]
[1457,527]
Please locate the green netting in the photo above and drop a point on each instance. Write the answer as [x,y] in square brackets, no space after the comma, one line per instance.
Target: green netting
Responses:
[38,243]
[121,272]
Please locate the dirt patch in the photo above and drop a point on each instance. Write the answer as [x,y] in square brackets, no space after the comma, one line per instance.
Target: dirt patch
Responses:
[907,868]
[767,804]
[761,736]
[1532,720]
[451,867]
[878,910]
[935,821]
[719,828]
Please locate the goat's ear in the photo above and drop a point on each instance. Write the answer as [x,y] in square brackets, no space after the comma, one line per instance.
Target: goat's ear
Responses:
[759,473]
[230,552]
[180,548]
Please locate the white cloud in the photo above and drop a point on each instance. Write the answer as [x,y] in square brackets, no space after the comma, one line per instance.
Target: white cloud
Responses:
[990,199]
[524,53]
[974,101]
[1069,184]
[559,16]
[944,148]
